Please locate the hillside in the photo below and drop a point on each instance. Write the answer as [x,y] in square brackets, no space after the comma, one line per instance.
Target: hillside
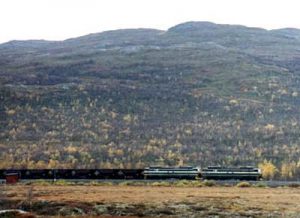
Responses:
[199,93]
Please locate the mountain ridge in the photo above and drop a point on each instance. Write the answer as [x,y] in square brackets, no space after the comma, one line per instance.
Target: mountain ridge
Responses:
[196,23]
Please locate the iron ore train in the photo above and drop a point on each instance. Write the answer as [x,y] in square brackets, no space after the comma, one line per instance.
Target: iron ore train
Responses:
[191,173]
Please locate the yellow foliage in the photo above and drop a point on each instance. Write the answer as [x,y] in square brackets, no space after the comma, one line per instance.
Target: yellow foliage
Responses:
[288,170]
[233,101]
[269,127]
[10,112]
[188,131]
[40,165]
[119,152]
[127,118]
[113,114]
[71,149]
[268,169]
[53,164]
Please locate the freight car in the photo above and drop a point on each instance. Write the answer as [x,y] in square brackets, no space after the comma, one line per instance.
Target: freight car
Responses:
[234,173]
[54,174]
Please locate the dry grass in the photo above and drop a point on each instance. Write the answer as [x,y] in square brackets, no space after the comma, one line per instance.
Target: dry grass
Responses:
[282,200]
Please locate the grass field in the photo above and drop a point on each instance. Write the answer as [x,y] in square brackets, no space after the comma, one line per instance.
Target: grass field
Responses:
[149,201]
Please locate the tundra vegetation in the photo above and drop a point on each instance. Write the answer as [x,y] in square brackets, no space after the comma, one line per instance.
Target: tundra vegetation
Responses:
[197,94]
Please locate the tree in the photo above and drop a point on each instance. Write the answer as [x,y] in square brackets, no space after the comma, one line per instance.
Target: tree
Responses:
[53,164]
[268,169]
[288,170]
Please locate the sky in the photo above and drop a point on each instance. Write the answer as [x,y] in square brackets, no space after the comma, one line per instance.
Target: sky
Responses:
[62,19]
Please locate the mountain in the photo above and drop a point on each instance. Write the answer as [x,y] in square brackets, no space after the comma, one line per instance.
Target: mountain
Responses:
[199,93]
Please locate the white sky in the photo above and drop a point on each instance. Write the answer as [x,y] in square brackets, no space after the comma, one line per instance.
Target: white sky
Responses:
[61,19]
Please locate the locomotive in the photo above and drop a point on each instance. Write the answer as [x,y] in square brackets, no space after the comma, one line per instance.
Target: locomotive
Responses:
[235,173]
[188,172]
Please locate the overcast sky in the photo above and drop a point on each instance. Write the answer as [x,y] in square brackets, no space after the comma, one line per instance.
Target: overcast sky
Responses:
[61,19]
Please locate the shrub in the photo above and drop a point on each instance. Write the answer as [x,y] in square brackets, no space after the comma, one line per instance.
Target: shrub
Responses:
[243,185]
[68,211]
[160,184]
[95,183]
[261,185]
[81,183]
[209,183]
[132,183]
[196,184]
[91,183]
[63,182]
[182,183]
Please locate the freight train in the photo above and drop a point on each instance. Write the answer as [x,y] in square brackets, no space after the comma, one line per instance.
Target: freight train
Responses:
[216,173]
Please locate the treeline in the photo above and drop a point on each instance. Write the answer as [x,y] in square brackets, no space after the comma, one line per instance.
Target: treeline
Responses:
[286,171]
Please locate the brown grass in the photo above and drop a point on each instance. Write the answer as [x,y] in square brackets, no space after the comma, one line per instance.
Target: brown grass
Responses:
[237,199]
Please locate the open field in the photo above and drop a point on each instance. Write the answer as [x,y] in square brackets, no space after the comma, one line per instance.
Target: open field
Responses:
[149,201]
